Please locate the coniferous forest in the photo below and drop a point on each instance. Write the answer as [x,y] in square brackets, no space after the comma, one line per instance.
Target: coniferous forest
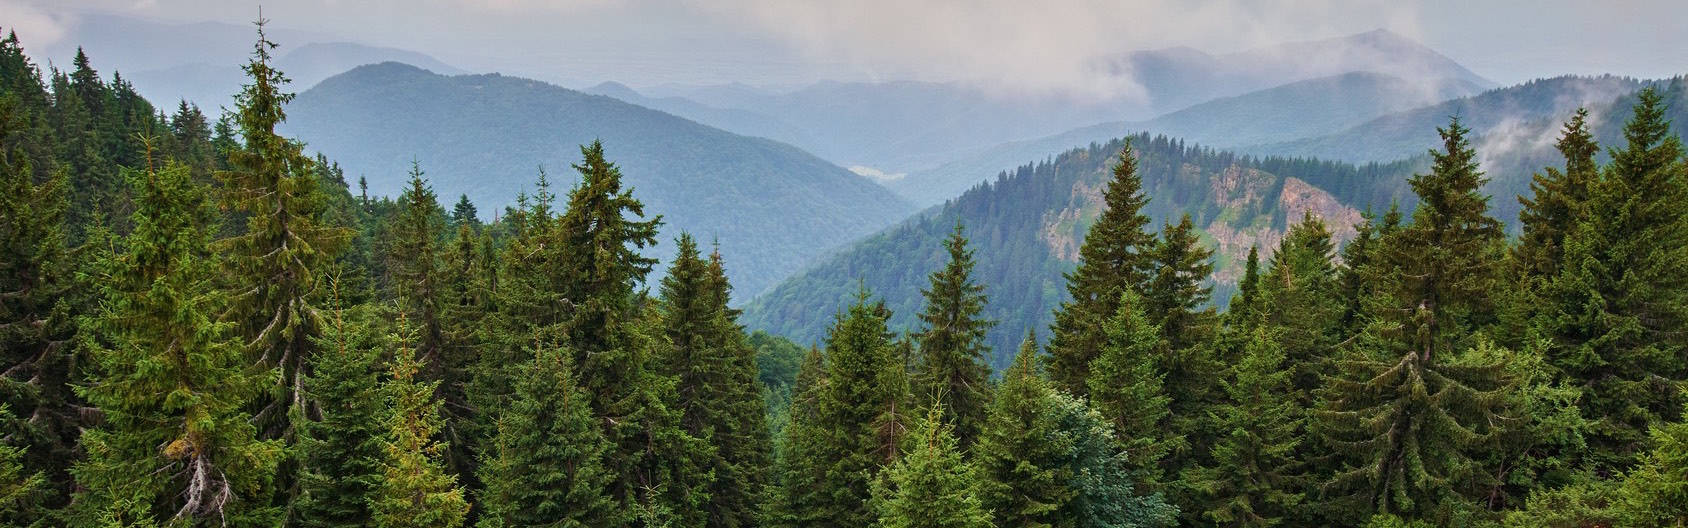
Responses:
[202,325]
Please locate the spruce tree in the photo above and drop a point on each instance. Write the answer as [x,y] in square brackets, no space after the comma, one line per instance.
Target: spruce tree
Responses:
[1616,309]
[930,486]
[860,412]
[414,490]
[716,375]
[1246,304]
[1021,453]
[463,213]
[1113,259]
[1559,200]
[1407,409]
[1127,388]
[545,466]
[1656,492]
[175,445]
[36,327]
[1178,287]
[276,263]
[340,448]
[17,488]
[1255,476]
[1301,303]
[801,462]
[1104,487]
[952,373]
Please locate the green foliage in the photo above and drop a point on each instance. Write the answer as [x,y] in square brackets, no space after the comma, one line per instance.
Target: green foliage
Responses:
[1020,453]
[1127,387]
[545,464]
[1256,477]
[1614,307]
[1116,259]
[951,370]
[340,449]
[414,490]
[802,462]
[1104,490]
[715,372]
[930,485]
[859,412]
[175,446]
[1656,493]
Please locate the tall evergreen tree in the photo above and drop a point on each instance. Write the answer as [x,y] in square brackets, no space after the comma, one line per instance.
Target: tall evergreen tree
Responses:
[716,372]
[464,213]
[801,463]
[1021,453]
[36,327]
[276,264]
[1113,259]
[930,486]
[1408,410]
[545,466]
[860,411]
[175,446]
[1246,304]
[1559,200]
[1178,289]
[1617,309]
[1127,387]
[1104,488]
[1255,476]
[414,490]
[952,374]
[340,448]
[1302,305]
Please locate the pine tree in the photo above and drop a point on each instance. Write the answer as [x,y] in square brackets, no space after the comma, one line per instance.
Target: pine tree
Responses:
[1559,201]
[175,445]
[414,490]
[1178,286]
[801,463]
[952,373]
[1113,259]
[1255,476]
[930,486]
[1245,306]
[1301,303]
[859,411]
[716,372]
[340,449]
[1021,453]
[545,466]
[464,213]
[1407,409]
[1127,388]
[276,262]
[1616,310]
[36,328]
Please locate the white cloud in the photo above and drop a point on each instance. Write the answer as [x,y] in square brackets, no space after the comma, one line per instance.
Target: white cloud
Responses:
[35,26]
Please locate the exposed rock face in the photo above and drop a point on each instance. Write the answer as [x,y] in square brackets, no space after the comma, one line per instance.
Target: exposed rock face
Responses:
[1254,209]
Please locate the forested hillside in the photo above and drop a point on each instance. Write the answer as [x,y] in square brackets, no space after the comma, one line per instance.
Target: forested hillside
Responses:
[202,325]
[1029,224]
[487,135]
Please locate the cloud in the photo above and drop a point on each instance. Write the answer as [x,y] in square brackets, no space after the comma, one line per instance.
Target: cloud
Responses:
[1041,46]
[33,25]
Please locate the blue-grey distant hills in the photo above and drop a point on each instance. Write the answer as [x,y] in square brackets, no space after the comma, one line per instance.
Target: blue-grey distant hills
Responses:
[772,206]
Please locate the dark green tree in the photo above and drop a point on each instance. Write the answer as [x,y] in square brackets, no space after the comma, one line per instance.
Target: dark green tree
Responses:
[1127,388]
[1616,310]
[860,411]
[275,265]
[175,445]
[341,447]
[545,466]
[1246,304]
[1104,490]
[1300,300]
[1178,290]
[1559,201]
[1113,260]
[716,375]
[464,213]
[951,371]
[36,326]
[801,463]
[1255,476]
[930,486]
[1407,409]
[1021,454]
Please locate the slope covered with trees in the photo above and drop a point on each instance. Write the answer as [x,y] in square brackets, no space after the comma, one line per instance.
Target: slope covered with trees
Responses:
[484,135]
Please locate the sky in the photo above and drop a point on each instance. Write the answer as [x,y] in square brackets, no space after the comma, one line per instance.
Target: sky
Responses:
[1013,44]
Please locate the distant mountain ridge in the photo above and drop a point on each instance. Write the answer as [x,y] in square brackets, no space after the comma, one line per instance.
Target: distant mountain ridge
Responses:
[1296,110]
[771,206]
[1026,228]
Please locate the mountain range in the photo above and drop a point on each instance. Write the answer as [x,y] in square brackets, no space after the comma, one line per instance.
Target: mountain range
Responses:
[770,206]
